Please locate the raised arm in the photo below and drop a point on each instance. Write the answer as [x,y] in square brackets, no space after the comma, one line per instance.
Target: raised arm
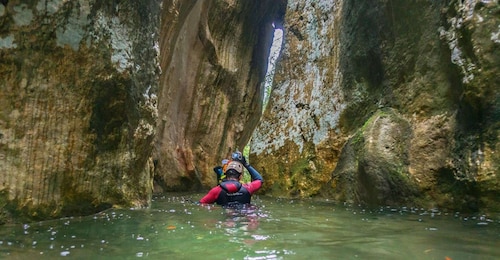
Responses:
[253,172]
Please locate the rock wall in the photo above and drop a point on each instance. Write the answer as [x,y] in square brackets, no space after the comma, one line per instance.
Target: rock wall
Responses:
[387,102]
[377,102]
[213,59]
[293,145]
[77,105]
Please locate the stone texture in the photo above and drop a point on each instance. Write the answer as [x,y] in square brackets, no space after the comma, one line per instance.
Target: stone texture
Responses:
[77,105]
[377,102]
[292,144]
[373,166]
[434,65]
[213,59]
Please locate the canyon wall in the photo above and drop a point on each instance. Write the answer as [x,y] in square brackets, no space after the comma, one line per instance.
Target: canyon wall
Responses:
[98,99]
[77,105]
[213,58]
[385,103]
[374,102]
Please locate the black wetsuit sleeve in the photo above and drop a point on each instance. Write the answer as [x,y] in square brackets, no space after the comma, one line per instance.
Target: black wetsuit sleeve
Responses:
[254,173]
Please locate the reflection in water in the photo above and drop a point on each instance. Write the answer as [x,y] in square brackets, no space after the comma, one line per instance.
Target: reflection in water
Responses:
[175,228]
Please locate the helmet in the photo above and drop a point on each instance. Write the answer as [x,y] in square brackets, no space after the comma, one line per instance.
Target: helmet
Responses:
[237,166]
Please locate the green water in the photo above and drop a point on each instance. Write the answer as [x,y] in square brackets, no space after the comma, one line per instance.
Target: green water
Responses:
[278,229]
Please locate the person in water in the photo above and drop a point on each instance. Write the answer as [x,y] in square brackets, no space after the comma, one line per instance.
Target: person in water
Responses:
[231,192]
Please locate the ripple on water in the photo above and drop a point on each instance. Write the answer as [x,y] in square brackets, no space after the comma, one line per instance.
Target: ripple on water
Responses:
[279,229]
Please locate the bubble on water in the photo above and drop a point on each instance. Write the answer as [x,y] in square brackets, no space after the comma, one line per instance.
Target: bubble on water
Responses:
[65,253]
[260,237]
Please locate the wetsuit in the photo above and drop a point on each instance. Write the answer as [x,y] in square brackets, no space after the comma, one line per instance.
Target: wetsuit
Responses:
[231,192]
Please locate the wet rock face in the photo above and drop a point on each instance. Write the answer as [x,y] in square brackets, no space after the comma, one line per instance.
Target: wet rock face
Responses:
[77,105]
[213,59]
[373,165]
[82,98]
[292,145]
[382,102]
[343,64]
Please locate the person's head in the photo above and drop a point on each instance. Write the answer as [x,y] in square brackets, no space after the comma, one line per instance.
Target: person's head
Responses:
[234,170]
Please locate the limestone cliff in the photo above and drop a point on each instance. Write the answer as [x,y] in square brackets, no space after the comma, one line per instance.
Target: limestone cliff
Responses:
[77,105]
[82,99]
[213,59]
[388,102]
[374,101]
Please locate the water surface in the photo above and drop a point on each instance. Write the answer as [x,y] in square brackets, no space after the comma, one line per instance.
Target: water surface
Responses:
[175,228]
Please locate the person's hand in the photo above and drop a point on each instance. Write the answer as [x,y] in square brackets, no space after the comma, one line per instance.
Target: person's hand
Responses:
[218,171]
[239,157]
[243,160]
